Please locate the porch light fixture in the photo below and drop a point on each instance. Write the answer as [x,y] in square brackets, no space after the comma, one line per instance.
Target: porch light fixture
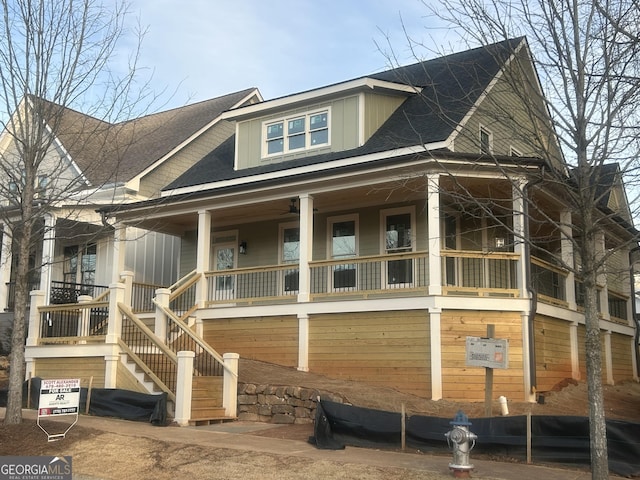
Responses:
[242,248]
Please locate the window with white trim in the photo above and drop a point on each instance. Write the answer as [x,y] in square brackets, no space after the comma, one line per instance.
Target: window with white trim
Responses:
[343,244]
[514,152]
[486,141]
[296,133]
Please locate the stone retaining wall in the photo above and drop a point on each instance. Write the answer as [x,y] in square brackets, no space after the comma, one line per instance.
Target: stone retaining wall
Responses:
[279,404]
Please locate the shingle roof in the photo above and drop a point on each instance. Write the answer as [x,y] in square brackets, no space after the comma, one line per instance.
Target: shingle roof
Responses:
[450,84]
[108,153]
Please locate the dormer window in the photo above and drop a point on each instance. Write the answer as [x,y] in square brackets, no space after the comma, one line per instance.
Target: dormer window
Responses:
[296,133]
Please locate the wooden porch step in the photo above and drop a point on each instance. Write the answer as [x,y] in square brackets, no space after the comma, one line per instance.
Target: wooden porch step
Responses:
[200,422]
[198,413]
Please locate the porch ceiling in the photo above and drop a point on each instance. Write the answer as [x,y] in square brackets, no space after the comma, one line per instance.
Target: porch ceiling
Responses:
[248,208]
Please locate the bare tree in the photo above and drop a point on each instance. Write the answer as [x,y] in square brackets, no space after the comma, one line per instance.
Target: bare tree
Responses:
[587,57]
[54,56]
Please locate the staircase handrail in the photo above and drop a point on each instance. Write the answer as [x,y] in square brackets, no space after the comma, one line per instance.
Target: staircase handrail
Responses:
[147,331]
[199,341]
[184,283]
[155,340]
[144,367]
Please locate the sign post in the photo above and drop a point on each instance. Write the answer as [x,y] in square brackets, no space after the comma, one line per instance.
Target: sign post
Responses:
[489,353]
[59,398]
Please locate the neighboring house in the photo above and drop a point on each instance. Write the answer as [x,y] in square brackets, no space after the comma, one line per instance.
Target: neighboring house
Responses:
[330,233]
[92,163]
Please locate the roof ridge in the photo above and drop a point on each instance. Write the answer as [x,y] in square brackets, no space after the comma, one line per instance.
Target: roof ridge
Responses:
[189,105]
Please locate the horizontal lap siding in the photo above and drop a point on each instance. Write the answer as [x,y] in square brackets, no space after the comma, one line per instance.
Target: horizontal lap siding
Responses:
[460,382]
[582,356]
[269,339]
[553,352]
[622,357]
[390,349]
[67,367]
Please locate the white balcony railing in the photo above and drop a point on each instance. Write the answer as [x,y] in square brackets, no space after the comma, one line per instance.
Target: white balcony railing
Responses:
[360,276]
[480,274]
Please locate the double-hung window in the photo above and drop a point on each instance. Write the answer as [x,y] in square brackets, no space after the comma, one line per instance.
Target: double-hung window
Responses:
[486,141]
[297,133]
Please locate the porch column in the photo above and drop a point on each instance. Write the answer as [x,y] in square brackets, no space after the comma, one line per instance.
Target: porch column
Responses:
[33,332]
[303,342]
[436,353]
[111,371]
[608,357]
[162,300]
[5,267]
[48,254]
[184,388]
[566,251]
[203,250]
[519,239]
[306,247]
[126,278]
[119,252]
[230,384]
[114,327]
[433,228]
[575,349]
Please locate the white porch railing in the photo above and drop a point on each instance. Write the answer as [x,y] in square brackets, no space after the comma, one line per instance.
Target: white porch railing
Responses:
[358,276]
[479,274]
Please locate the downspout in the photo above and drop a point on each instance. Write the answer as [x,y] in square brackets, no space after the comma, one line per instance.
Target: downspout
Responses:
[634,313]
[533,294]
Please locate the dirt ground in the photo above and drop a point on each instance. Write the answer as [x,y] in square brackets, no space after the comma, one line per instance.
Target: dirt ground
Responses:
[100,455]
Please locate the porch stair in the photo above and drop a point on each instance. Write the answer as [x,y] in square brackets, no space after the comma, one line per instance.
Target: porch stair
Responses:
[144,379]
[206,401]
[139,374]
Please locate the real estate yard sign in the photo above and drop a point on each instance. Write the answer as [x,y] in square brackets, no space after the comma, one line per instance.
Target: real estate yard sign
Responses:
[490,353]
[487,352]
[58,398]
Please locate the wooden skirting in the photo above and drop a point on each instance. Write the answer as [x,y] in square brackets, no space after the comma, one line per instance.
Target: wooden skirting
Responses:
[83,368]
[269,339]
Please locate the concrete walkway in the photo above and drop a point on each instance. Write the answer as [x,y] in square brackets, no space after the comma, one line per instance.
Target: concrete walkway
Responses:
[235,436]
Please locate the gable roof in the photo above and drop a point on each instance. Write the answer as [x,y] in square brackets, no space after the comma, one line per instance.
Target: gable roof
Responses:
[450,84]
[112,153]
[609,193]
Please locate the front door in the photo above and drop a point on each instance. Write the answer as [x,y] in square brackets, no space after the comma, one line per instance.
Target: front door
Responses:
[225,259]
[398,239]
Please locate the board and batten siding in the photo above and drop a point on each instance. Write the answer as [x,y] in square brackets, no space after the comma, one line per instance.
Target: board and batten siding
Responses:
[343,129]
[460,382]
[388,349]
[378,108]
[71,367]
[268,339]
[553,352]
[188,252]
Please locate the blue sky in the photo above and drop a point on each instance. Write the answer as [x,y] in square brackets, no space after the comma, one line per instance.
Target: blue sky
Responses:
[199,49]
